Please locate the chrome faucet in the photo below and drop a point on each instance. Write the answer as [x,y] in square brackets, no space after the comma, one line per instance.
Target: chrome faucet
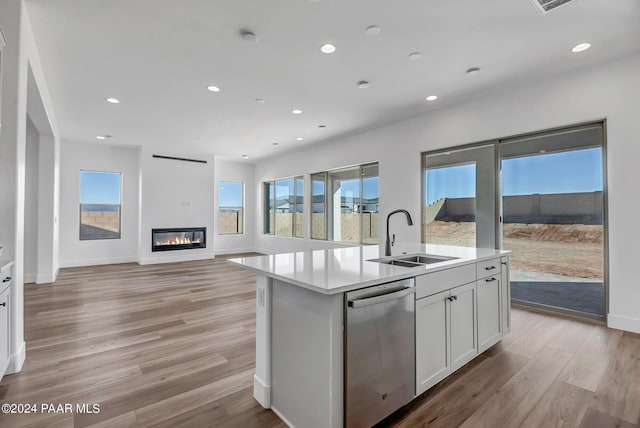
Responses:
[387,246]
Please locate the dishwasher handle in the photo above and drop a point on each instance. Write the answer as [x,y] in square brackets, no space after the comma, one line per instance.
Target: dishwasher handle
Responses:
[374,300]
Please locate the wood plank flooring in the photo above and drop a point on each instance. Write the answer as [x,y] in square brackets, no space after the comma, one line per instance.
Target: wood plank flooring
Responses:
[174,345]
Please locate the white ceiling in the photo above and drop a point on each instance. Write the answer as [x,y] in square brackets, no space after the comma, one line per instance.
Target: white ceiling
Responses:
[158,57]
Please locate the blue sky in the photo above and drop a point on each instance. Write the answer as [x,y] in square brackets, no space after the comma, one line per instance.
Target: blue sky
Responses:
[230,194]
[100,187]
[564,172]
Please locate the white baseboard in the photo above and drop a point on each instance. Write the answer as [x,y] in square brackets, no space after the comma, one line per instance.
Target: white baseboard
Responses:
[16,360]
[621,322]
[261,392]
[95,262]
[28,278]
[47,278]
[174,258]
[282,418]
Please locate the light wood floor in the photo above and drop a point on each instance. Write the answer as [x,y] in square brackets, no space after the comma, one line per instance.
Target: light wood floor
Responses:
[173,346]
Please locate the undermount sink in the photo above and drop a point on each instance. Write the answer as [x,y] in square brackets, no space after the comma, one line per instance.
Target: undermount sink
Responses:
[413,260]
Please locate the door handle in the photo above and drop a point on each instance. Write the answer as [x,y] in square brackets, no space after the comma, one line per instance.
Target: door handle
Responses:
[7,279]
[3,304]
[368,301]
[490,279]
[489,268]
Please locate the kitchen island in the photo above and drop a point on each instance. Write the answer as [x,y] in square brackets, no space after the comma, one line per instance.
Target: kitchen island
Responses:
[460,297]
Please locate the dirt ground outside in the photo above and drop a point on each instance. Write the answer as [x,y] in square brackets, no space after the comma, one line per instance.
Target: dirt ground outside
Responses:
[573,250]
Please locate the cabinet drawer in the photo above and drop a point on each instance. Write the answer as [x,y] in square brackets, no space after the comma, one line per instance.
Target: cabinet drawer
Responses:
[5,273]
[488,268]
[436,282]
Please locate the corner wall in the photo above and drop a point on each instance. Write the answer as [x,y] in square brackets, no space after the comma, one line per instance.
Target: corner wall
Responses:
[609,91]
[19,56]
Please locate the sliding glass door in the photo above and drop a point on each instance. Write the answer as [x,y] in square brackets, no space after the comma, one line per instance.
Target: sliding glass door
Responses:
[541,196]
[553,219]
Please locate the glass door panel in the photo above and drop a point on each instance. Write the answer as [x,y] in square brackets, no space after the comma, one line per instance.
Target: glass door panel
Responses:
[460,197]
[553,219]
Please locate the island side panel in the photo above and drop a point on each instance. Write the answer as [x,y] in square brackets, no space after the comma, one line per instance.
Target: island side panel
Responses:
[262,378]
[307,357]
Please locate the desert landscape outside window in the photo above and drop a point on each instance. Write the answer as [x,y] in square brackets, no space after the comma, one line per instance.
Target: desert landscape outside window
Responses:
[100,205]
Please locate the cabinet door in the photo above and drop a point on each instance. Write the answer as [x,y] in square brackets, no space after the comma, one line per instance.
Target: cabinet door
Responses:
[489,321]
[505,285]
[464,345]
[4,331]
[432,341]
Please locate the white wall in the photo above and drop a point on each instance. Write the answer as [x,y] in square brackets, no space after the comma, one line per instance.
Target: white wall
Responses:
[238,172]
[609,91]
[19,57]
[98,157]
[31,203]
[175,194]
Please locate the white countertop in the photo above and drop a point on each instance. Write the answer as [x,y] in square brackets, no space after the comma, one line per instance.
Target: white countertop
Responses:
[344,269]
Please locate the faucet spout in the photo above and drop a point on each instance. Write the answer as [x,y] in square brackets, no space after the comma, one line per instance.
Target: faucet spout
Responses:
[387,245]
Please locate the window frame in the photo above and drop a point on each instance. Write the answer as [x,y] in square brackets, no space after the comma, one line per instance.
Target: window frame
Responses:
[269,216]
[242,183]
[325,175]
[120,205]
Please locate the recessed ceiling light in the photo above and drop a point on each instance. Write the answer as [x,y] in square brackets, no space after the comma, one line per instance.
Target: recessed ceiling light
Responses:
[414,56]
[244,157]
[113,100]
[248,36]
[473,70]
[275,144]
[260,100]
[296,111]
[213,88]
[363,84]
[328,48]
[432,97]
[372,30]
[581,47]
[300,139]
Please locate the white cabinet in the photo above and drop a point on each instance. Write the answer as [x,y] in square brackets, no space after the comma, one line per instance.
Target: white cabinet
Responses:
[489,304]
[454,323]
[432,340]
[464,345]
[505,286]
[5,290]
[445,334]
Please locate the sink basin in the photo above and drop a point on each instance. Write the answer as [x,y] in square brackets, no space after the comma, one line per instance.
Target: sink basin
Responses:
[424,259]
[413,260]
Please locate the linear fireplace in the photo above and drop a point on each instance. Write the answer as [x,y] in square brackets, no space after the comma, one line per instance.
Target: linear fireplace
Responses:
[185,238]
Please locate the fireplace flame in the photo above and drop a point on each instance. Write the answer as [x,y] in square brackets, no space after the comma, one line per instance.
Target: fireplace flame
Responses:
[178,241]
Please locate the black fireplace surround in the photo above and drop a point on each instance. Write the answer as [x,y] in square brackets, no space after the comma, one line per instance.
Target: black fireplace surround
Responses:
[185,238]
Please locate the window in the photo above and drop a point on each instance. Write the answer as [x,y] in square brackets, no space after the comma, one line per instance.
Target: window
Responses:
[346,204]
[230,208]
[284,207]
[100,205]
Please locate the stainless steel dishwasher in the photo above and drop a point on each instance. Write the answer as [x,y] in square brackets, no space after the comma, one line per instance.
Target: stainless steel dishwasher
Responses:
[380,351]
